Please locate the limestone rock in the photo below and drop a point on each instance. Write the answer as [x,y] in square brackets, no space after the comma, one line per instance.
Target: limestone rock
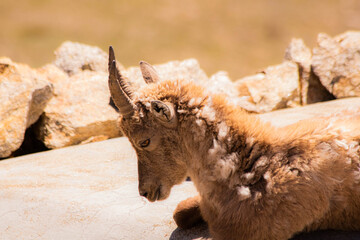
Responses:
[336,61]
[24,93]
[73,58]
[311,89]
[299,53]
[220,83]
[56,76]
[275,88]
[80,110]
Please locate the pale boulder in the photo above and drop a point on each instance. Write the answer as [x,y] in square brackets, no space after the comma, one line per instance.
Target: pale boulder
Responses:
[299,53]
[24,93]
[80,111]
[311,90]
[336,61]
[275,88]
[220,83]
[58,78]
[73,57]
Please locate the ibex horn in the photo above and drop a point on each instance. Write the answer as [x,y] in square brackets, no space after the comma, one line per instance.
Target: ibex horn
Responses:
[119,89]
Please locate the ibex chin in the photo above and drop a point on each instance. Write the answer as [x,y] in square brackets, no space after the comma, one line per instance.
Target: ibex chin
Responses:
[254,181]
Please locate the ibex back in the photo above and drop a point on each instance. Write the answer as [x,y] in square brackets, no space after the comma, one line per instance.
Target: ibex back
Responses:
[254,181]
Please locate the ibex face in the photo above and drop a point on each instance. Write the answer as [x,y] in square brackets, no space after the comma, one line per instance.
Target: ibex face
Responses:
[151,127]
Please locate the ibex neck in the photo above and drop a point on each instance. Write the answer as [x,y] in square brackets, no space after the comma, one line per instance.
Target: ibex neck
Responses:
[223,142]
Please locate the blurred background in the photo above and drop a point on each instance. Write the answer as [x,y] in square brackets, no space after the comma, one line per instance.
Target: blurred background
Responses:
[239,36]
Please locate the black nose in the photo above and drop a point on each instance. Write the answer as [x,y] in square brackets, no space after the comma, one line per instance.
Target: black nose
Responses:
[144,194]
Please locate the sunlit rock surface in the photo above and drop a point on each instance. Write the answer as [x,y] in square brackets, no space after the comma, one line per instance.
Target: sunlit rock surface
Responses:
[310,88]
[24,93]
[274,88]
[73,57]
[336,61]
[90,191]
[79,111]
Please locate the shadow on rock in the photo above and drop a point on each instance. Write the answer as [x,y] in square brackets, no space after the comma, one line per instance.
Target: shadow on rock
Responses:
[200,231]
[328,235]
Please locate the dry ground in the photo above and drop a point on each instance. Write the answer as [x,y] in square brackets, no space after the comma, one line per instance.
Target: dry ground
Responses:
[240,36]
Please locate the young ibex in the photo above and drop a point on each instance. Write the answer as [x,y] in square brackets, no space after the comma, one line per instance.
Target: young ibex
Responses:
[254,181]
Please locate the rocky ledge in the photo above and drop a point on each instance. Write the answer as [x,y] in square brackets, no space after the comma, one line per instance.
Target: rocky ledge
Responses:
[90,191]
[67,102]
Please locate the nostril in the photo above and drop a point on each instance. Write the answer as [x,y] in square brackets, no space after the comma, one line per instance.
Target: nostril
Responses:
[144,194]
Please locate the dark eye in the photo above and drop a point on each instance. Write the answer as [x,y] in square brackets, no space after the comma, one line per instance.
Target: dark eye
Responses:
[145,143]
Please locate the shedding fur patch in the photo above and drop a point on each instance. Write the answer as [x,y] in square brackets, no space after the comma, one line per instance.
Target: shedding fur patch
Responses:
[182,111]
[257,196]
[247,177]
[250,141]
[226,166]
[199,133]
[326,151]
[269,184]
[243,192]
[223,130]
[208,112]
[261,162]
[354,150]
[148,105]
[357,174]
[342,144]
[191,102]
[194,102]
[216,150]
[223,169]
[199,122]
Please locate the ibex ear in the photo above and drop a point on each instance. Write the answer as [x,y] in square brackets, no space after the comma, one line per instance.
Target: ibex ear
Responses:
[149,73]
[164,112]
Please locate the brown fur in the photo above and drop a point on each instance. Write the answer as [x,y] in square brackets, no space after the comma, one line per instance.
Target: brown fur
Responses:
[254,181]
[187,213]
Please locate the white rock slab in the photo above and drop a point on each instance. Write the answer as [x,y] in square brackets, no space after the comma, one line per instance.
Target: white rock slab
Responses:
[82,192]
[289,116]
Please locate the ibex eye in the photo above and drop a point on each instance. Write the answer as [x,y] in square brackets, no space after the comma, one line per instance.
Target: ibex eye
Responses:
[145,143]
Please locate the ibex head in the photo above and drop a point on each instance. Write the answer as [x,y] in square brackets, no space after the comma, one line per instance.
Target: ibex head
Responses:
[150,123]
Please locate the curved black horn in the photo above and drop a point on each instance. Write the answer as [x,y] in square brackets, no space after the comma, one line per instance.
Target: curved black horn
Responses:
[119,89]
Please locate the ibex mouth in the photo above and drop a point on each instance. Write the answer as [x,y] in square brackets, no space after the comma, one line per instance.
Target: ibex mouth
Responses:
[156,196]
[158,193]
